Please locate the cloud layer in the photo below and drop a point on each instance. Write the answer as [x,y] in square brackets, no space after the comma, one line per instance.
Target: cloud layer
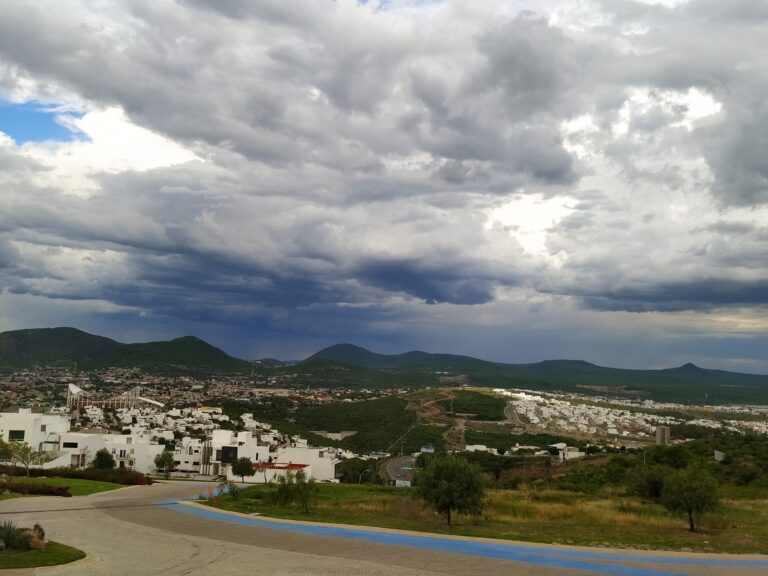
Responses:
[484,177]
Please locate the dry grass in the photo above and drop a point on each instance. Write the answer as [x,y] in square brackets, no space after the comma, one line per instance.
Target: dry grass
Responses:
[608,519]
[568,508]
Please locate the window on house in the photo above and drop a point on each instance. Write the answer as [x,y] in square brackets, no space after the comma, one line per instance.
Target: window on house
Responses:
[43,427]
[15,435]
[69,444]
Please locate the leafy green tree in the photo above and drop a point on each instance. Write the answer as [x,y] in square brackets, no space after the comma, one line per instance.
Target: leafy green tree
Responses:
[648,482]
[18,452]
[677,456]
[243,467]
[24,454]
[283,494]
[692,491]
[103,460]
[450,483]
[305,488]
[295,488]
[358,471]
[164,461]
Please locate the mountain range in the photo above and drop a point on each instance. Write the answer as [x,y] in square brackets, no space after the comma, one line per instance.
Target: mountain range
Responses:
[55,346]
[59,346]
[684,383]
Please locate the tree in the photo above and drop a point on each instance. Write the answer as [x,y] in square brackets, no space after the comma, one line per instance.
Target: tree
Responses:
[22,453]
[358,471]
[243,467]
[648,482]
[295,488]
[675,456]
[103,460]
[452,483]
[692,491]
[164,461]
[304,489]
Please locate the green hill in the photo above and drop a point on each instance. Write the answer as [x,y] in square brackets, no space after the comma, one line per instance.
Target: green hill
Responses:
[55,346]
[357,356]
[687,383]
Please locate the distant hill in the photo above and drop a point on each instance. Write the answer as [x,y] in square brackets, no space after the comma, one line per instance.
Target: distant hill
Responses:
[51,346]
[357,356]
[687,383]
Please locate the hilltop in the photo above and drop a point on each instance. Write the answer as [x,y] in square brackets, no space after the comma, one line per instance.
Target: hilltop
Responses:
[350,366]
[52,346]
[686,383]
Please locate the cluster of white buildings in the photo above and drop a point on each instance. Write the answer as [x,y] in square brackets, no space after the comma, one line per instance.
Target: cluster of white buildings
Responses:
[570,416]
[146,431]
[554,414]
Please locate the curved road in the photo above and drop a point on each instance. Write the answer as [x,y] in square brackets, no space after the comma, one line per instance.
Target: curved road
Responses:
[144,530]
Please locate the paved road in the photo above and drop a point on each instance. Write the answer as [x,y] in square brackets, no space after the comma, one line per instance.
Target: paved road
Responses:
[401,468]
[142,531]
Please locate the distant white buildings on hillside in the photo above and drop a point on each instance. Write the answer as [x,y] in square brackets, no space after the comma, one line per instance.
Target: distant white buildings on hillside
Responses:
[147,431]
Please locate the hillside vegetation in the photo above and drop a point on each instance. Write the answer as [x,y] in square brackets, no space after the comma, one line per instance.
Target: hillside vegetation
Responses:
[69,346]
[687,383]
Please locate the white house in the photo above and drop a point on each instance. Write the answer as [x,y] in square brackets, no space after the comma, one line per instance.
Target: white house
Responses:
[133,451]
[322,461]
[227,446]
[188,455]
[268,471]
[40,431]
[80,447]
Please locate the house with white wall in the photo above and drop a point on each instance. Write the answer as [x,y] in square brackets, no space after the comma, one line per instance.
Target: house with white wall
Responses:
[321,461]
[188,455]
[227,446]
[40,431]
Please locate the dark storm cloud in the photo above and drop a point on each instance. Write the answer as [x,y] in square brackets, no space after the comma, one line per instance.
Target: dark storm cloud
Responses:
[702,293]
[432,285]
[350,162]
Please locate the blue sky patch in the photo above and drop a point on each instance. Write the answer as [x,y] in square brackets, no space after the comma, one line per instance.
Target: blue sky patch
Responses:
[31,122]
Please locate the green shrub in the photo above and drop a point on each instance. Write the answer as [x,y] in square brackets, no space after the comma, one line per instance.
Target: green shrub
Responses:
[15,537]
[20,539]
[7,528]
[125,476]
[649,482]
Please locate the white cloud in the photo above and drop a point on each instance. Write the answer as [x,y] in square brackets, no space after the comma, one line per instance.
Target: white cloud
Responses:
[528,218]
[107,141]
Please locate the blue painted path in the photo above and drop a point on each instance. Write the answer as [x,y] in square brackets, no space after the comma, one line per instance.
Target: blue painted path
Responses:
[562,558]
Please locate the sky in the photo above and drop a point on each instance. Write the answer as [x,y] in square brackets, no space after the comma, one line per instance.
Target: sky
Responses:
[513,180]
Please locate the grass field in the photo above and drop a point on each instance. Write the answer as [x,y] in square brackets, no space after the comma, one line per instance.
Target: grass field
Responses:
[77,487]
[537,516]
[53,555]
[480,405]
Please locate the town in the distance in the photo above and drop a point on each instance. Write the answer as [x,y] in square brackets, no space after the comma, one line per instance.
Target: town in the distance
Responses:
[562,442]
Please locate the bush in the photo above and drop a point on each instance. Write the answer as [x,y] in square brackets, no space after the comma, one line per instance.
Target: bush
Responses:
[648,482]
[20,539]
[6,530]
[37,489]
[295,488]
[103,460]
[125,476]
[14,537]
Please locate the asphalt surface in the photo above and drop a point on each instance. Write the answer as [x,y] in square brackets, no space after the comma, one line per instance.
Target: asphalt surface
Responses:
[401,468]
[143,530]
